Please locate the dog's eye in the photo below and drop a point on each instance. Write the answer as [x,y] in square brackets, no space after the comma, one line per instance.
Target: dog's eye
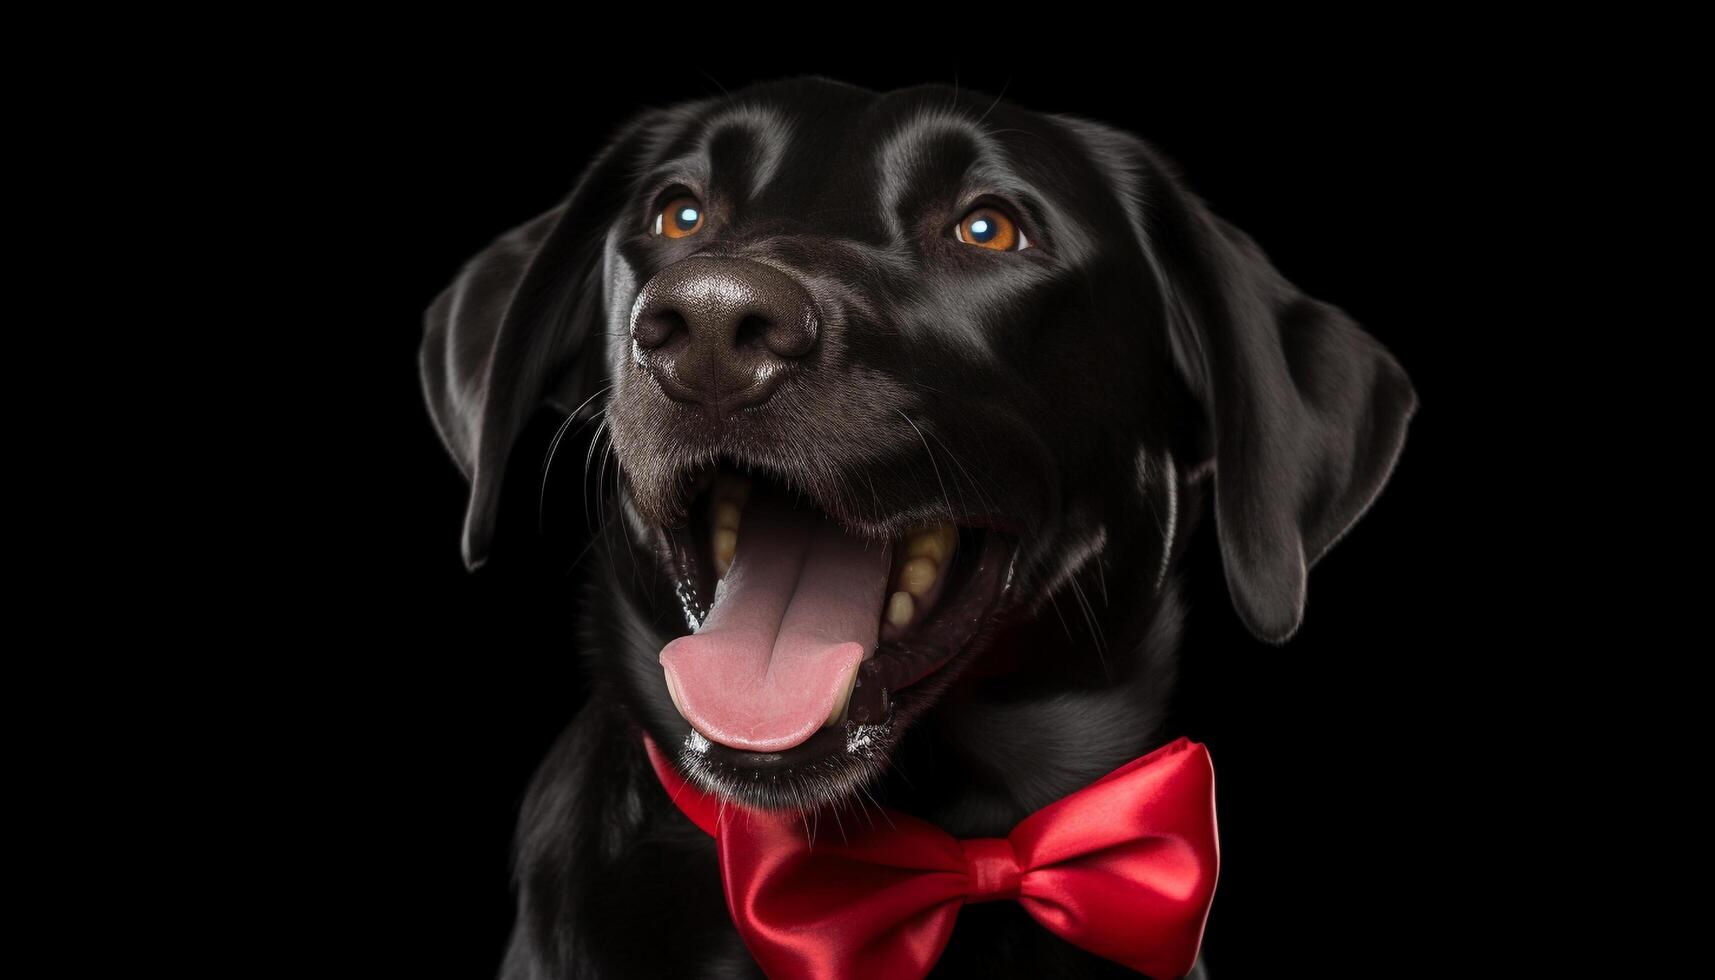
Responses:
[991,228]
[682,216]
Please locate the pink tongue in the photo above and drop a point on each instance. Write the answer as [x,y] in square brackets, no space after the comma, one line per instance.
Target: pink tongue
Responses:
[798,610]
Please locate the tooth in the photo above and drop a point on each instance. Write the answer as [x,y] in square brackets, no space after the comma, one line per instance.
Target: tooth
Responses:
[726,545]
[900,608]
[918,576]
[935,543]
[727,513]
[838,714]
[730,492]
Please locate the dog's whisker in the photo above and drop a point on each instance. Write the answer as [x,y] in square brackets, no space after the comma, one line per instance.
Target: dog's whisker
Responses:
[600,527]
[566,423]
[826,792]
[803,814]
[861,800]
[878,807]
[996,101]
[608,453]
[976,485]
[1035,136]
[1098,638]
[1063,626]
[932,465]
[589,457]
[595,538]
[874,494]
[897,767]
[554,448]
[601,480]
[717,82]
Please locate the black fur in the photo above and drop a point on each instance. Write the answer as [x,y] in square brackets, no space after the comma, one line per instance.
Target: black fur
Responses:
[1089,397]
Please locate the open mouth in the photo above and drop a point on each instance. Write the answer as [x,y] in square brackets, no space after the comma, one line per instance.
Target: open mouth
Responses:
[806,632]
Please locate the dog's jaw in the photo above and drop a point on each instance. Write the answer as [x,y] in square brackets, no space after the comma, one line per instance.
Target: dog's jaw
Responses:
[900,676]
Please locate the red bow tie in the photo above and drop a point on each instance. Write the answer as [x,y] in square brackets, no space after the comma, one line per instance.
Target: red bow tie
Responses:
[1124,868]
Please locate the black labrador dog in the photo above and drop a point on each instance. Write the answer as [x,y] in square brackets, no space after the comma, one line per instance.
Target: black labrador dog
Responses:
[896,384]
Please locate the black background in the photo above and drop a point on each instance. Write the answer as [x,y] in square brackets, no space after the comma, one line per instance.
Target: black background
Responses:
[427,695]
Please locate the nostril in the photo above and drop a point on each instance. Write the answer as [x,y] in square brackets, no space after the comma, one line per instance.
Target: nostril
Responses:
[752,330]
[791,335]
[657,328]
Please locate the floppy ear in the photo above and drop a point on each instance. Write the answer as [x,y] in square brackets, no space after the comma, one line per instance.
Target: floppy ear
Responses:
[1306,410]
[520,325]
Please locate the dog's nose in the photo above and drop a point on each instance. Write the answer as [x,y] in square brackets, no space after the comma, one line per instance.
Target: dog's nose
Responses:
[720,332]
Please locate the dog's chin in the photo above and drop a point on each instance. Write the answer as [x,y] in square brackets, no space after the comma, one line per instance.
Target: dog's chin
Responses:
[945,582]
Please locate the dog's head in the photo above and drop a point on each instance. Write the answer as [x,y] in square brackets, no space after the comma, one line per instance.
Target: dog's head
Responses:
[882,372]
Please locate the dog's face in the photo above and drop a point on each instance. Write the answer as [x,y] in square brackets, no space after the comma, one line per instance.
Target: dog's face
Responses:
[882,373]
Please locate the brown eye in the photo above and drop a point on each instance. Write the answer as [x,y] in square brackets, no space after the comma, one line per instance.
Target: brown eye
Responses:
[682,216]
[991,228]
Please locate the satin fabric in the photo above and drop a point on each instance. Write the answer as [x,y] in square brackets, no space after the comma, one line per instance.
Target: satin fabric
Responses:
[1125,868]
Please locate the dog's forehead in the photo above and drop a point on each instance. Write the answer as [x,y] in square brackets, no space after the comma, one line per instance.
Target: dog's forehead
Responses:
[859,161]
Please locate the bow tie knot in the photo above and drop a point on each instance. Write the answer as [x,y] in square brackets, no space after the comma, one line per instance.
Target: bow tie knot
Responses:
[992,868]
[1124,868]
